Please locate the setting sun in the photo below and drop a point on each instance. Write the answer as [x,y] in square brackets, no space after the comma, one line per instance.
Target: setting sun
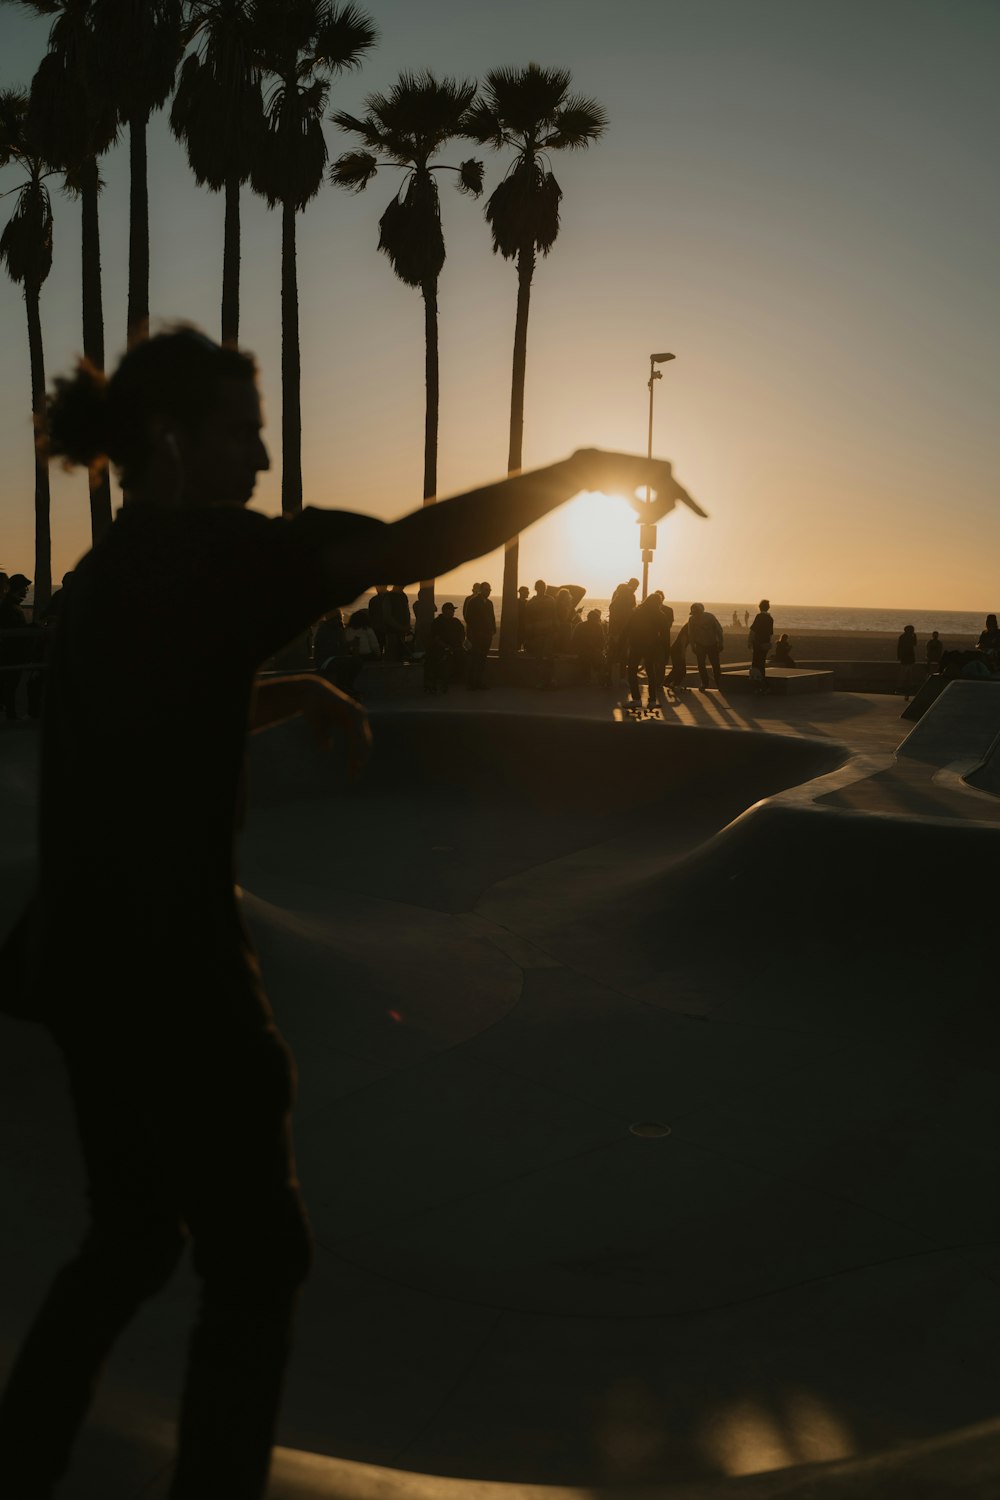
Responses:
[598,540]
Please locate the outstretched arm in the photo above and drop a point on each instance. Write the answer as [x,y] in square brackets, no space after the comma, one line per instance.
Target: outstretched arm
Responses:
[437,538]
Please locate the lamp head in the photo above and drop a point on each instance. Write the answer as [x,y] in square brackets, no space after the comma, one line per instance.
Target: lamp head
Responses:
[661,359]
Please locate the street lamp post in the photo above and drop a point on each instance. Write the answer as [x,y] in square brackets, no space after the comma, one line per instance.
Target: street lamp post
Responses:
[647,532]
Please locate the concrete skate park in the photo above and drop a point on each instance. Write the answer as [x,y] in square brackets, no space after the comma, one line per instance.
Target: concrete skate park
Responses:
[648,1108]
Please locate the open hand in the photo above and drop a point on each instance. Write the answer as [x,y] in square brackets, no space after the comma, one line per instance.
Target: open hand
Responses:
[625,473]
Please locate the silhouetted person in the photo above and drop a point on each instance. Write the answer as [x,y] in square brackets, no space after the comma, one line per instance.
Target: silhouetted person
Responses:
[934,650]
[423,619]
[361,639]
[445,650]
[619,613]
[678,659]
[906,655]
[707,640]
[467,601]
[565,620]
[736,620]
[133,952]
[988,644]
[523,594]
[746,619]
[50,613]
[396,619]
[783,652]
[14,649]
[480,628]
[377,608]
[589,639]
[332,654]
[540,632]
[761,636]
[647,642]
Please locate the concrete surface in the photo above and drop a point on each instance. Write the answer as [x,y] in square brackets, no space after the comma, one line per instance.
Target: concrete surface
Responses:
[648,1113]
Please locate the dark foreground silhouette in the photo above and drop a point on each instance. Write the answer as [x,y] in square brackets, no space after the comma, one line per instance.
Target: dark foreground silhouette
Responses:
[133,951]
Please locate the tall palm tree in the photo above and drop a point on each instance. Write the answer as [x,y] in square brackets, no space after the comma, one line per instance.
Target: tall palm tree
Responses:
[406,128]
[302,43]
[71,119]
[26,252]
[139,44]
[531,111]
[218,114]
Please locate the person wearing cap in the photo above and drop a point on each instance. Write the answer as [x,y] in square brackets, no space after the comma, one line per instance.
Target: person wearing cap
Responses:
[444,650]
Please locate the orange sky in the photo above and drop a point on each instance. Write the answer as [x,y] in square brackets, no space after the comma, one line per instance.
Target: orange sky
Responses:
[800,201]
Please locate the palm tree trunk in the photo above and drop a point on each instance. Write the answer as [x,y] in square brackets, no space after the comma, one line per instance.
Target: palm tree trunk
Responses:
[432,383]
[43,539]
[231,265]
[93,327]
[508,613]
[291,412]
[138,234]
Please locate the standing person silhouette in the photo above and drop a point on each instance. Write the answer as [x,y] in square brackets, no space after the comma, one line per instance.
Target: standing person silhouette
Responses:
[759,641]
[133,952]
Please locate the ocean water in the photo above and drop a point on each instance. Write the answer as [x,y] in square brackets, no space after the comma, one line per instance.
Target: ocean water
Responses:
[808,617]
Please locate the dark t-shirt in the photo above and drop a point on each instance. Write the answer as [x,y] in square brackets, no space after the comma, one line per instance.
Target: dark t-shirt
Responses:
[480,620]
[762,629]
[906,649]
[448,632]
[147,702]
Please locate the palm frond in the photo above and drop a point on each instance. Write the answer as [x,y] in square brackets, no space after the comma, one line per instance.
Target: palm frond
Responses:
[217,114]
[139,46]
[482,123]
[368,129]
[470,177]
[578,124]
[523,212]
[354,170]
[345,34]
[528,98]
[39,7]
[26,243]
[410,232]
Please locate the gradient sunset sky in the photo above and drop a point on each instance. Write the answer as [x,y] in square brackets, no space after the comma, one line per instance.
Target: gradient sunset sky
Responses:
[799,198]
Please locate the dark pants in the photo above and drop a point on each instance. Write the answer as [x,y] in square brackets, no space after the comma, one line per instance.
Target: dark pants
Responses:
[199,1148]
[9,681]
[654,676]
[477,654]
[712,654]
[758,661]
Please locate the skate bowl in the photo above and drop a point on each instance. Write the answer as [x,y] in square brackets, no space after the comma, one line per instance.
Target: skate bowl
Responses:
[647,1118]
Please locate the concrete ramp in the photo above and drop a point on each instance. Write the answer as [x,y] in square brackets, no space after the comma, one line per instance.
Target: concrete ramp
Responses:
[647,1123]
[962,724]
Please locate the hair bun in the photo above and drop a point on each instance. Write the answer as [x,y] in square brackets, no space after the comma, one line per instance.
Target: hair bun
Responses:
[76,425]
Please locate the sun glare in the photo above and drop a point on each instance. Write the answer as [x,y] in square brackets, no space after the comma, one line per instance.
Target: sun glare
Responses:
[599,540]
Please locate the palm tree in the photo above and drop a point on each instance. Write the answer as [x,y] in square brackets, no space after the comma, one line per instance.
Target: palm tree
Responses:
[406,128]
[73,123]
[139,44]
[531,111]
[302,43]
[26,252]
[218,114]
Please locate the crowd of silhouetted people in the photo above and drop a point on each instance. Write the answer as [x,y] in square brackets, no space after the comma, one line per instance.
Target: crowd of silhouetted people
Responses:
[634,645]
[636,641]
